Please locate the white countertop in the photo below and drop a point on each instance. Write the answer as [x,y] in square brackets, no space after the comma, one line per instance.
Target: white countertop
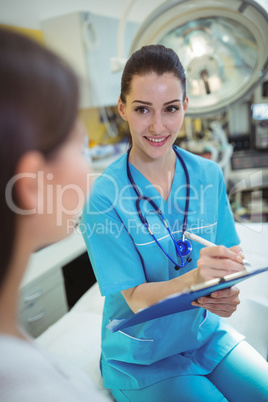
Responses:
[249,178]
[55,255]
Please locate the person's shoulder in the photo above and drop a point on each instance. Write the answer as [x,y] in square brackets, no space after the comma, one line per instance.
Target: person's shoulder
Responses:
[198,163]
[12,344]
[108,184]
[29,373]
[197,159]
[113,173]
[14,352]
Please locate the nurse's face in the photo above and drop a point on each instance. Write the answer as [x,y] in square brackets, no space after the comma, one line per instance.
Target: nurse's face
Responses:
[154,110]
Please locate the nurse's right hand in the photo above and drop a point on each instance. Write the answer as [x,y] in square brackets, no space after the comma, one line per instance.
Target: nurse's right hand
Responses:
[218,261]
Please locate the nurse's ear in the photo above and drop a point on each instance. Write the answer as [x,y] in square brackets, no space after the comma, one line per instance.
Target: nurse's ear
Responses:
[122,109]
[185,104]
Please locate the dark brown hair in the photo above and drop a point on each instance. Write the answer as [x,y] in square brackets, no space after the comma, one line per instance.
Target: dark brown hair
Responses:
[152,58]
[38,108]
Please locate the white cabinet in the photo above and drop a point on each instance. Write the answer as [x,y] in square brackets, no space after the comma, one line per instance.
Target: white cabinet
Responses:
[87,42]
[42,292]
[42,302]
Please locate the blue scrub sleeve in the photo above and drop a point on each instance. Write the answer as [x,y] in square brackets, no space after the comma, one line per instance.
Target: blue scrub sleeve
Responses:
[226,232]
[112,252]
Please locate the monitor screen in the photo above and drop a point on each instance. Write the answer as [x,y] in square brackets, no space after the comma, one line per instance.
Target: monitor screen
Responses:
[260,111]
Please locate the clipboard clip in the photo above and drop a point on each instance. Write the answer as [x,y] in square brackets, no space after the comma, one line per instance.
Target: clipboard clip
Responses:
[217,281]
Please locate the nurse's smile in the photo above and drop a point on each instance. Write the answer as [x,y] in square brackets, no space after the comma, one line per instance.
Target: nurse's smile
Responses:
[157,141]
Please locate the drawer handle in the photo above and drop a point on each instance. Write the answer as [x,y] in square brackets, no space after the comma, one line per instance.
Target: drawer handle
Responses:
[37,317]
[33,297]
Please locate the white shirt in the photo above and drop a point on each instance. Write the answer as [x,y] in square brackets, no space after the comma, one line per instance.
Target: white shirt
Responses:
[29,374]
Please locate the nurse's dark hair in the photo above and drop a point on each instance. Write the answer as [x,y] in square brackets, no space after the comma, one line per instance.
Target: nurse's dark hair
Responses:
[152,59]
[38,108]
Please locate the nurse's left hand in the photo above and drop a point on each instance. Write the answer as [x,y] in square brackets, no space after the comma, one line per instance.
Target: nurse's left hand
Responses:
[223,302]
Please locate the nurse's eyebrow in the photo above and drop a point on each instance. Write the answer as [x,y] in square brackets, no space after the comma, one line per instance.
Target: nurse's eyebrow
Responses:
[173,101]
[149,103]
[140,101]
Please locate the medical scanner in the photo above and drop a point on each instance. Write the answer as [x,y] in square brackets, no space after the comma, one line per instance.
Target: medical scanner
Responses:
[222,46]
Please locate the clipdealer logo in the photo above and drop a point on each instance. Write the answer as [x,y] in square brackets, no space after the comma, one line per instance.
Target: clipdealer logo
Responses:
[50,196]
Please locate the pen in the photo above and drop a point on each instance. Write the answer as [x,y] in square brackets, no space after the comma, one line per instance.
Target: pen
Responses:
[207,243]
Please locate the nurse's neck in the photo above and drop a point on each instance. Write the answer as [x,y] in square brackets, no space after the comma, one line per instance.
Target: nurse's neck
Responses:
[158,170]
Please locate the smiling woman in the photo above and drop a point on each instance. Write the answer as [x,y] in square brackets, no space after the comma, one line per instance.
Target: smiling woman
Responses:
[156,122]
[181,356]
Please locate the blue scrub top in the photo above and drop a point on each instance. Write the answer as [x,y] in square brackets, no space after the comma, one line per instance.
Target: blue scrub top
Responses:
[123,255]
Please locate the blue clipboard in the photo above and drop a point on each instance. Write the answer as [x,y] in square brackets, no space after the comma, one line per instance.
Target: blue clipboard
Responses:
[179,302]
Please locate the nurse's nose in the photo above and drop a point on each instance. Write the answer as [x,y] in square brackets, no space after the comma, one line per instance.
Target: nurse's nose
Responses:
[157,124]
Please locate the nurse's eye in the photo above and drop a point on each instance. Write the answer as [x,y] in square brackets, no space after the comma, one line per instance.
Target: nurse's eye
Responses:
[172,109]
[141,109]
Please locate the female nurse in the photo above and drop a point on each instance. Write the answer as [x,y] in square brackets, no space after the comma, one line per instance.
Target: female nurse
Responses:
[187,356]
[40,156]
